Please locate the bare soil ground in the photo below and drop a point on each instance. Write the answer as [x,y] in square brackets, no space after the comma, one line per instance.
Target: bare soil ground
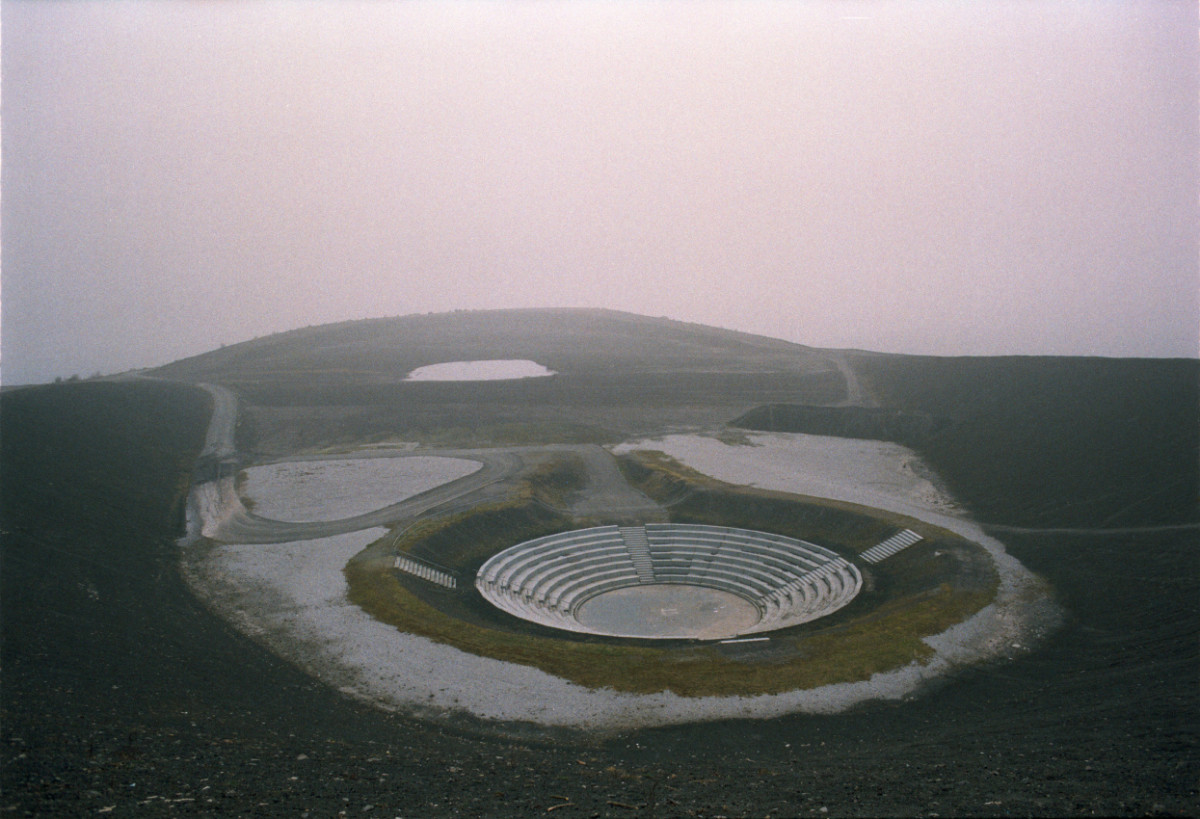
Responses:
[122,694]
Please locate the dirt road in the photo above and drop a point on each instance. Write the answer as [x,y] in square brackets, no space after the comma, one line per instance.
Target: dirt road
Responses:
[607,493]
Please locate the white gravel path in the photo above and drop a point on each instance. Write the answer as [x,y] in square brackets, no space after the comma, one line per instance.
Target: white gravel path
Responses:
[307,491]
[292,596]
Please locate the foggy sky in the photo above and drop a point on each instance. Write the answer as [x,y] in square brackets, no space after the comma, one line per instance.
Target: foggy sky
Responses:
[944,178]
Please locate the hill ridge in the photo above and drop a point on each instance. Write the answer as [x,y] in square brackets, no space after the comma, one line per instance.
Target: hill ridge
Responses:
[561,338]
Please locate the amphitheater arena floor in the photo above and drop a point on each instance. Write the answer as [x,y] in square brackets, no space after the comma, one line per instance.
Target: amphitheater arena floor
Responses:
[668,611]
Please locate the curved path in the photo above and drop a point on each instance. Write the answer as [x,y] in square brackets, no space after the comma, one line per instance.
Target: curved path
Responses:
[227,519]
[216,507]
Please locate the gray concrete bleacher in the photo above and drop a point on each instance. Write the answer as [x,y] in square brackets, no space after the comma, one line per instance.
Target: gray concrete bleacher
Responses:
[788,581]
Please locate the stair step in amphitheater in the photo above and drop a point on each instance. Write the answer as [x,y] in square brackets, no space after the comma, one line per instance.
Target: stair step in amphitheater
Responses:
[419,569]
[887,548]
[668,581]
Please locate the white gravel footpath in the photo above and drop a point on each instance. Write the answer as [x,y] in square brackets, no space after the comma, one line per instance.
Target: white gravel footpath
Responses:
[292,596]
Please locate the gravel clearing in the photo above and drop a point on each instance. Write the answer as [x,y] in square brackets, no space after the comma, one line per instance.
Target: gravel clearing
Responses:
[292,597]
[308,491]
[871,473]
[488,370]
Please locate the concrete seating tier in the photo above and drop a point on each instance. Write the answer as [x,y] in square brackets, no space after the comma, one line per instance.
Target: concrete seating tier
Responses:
[535,572]
[824,591]
[567,583]
[532,551]
[548,579]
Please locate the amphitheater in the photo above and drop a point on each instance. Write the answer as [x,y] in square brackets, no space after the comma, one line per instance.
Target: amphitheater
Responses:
[668,581]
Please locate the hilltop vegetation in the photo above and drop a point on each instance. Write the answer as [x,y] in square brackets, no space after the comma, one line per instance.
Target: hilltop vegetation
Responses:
[583,342]
[618,375]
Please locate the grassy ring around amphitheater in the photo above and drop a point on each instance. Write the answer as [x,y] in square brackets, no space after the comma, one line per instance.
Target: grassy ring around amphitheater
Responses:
[919,592]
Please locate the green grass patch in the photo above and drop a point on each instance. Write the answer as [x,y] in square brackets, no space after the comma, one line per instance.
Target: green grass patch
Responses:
[558,481]
[698,498]
[921,592]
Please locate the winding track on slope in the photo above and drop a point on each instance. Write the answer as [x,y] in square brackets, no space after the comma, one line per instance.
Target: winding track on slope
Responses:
[856,393]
